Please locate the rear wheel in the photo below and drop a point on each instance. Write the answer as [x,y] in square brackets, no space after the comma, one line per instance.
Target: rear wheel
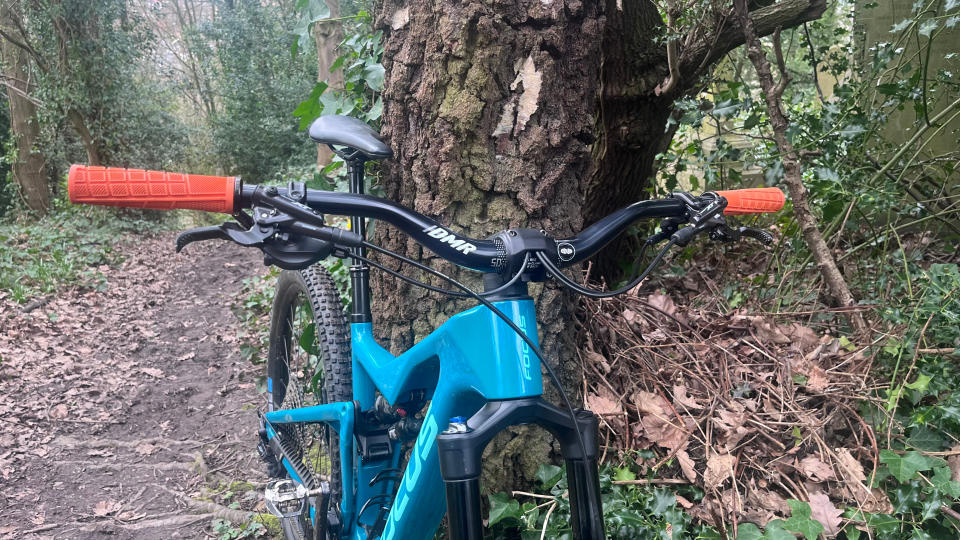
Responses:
[309,364]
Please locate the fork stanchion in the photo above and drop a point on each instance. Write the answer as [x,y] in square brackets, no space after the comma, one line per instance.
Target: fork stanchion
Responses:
[460,453]
[465,522]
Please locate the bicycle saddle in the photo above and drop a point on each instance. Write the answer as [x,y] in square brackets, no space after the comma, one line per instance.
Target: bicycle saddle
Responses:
[346,131]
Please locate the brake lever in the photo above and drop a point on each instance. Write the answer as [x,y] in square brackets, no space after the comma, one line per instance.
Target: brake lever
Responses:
[252,237]
[724,233]
[760,235]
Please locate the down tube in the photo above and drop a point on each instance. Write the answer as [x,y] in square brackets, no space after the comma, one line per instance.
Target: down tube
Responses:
[420,504]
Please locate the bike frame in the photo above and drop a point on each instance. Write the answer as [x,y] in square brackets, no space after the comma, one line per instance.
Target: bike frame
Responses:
[474,365]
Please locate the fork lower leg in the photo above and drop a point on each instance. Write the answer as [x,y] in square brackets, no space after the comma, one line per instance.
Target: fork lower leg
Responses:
[460,455]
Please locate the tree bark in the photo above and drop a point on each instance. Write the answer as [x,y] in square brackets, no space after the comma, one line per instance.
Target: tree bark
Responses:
[89,146]
[793,169]
[28,168]
[489,110]
[328,36]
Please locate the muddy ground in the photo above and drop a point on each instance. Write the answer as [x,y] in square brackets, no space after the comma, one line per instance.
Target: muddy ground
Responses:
[127,412]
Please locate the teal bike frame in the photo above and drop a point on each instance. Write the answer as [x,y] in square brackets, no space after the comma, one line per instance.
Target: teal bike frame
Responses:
[471,359]
[473,366]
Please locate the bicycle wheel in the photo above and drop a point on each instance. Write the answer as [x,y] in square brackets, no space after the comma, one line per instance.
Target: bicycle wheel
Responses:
[309,364]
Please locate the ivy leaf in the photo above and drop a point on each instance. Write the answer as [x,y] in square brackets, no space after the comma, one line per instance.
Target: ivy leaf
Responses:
[749,531]
[624,474]
[373,74]
[503,507]
[942,480]
[311,108]
[311,11]
[548,475]
[800,520]
[752,121]
[775,531]
[924,438]
[904,467]
[727,107]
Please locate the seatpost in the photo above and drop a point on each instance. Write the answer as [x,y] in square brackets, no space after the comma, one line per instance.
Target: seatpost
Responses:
[359,272]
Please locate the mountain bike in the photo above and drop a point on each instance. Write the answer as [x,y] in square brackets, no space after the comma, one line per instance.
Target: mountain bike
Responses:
[343,414]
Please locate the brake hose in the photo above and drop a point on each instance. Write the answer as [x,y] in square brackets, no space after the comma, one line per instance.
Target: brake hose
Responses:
[597,293]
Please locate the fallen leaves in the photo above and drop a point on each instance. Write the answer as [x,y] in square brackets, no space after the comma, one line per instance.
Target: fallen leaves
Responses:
[105,508]
[719,468]
[816,470]
[724,394]
[822,510]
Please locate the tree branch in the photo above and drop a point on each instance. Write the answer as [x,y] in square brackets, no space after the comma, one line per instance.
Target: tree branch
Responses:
[783,14]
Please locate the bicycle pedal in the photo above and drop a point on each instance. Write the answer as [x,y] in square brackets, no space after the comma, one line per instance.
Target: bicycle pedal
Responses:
[284,498]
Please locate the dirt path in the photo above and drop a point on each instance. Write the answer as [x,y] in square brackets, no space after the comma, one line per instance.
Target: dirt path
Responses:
[121,408]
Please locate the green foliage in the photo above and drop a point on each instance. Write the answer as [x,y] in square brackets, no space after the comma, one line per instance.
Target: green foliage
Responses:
[258,85]
[630,511]
[360,54]
[90,72]
[225,530]
[64,249]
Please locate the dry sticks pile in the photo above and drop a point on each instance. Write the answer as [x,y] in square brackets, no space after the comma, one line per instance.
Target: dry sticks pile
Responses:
[752,409]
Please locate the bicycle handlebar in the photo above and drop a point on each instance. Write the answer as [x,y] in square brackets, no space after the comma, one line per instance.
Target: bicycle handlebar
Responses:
[162,190]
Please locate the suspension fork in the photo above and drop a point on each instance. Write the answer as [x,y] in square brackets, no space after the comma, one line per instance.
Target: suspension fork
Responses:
[460,449]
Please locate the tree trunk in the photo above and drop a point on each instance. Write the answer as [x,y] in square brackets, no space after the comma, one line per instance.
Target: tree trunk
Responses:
[542,114]
[28,168]
[489,110]
[328,36]
[89,146]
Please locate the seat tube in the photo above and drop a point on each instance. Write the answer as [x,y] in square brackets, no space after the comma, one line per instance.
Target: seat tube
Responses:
[359,272]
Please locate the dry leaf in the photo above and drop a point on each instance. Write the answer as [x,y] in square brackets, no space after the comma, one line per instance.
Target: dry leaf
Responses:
[603,406]
[599,360]
[849,466]
[681,398]
[803,338]
[719,468]
[153,372]
[825,512]
[663,303]
[686,465]
[816,470]
[817,380]
[105,508]
[650,403]
[59,412]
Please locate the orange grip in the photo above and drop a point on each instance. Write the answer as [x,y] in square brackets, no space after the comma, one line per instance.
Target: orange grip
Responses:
[136,188]
[752,200]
